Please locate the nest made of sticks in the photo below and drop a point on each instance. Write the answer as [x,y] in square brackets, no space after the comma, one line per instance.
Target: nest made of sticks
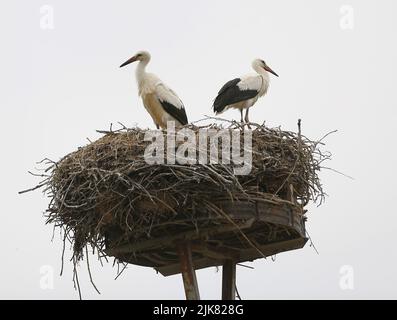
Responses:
[106,188]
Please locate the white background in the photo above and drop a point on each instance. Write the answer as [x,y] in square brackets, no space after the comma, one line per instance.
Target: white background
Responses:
[59,85]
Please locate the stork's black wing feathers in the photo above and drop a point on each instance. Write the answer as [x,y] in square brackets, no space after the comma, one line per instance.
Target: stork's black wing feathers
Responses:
[178,113]
[230,93]
[228,85]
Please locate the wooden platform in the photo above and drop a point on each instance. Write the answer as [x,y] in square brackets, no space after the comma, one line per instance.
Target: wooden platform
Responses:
[245,231]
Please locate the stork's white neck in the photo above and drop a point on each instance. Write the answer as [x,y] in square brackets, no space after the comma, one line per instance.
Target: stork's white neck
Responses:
[141,71]
[263,73]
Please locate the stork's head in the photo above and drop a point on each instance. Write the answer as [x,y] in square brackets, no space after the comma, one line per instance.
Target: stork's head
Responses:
[259,64]
[143,56]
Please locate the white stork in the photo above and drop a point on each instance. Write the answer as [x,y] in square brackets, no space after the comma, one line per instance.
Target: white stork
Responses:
[242,93]
[160,101]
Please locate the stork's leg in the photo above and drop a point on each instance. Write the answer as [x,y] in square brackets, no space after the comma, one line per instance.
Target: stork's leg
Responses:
[246,119]
[241,112]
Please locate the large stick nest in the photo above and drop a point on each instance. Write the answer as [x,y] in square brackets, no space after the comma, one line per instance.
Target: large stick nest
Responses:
[106,189]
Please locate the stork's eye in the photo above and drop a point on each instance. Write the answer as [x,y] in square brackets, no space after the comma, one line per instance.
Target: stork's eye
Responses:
[139,55]
[263,62]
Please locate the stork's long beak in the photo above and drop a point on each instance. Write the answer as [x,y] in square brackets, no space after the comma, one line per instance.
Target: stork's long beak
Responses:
[267,68]
[130,60]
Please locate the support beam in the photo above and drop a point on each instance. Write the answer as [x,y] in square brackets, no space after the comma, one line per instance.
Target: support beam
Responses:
[229,280]
[188,271]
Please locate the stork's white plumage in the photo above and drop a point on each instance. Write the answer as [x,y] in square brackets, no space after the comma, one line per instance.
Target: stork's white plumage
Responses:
[160,101]
[243,92]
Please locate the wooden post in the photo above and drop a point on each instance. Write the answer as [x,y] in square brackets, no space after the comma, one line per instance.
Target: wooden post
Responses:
[229,280]
[188,271]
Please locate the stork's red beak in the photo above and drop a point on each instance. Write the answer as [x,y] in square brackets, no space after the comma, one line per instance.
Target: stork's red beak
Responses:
[129,61]
[267,68]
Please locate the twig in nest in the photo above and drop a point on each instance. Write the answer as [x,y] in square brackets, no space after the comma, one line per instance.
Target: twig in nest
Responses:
[245,266]
[34,188]
[237,293]
[311,242]
[63,253]
[338,172]
[122,270]
[76,278]
[89,270]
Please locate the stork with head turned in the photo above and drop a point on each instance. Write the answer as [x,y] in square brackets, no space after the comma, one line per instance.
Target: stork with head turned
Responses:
[160,101]
[242,93]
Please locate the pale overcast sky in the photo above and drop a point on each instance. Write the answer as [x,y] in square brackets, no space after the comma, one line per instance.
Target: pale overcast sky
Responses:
[59,85]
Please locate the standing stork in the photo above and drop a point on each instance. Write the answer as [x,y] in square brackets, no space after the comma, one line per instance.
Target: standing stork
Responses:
[160,101]
[242,93]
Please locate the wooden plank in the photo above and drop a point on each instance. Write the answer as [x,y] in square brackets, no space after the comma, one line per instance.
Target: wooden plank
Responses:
[248,254]
[229,280]
[273,248]
[218,253]
[262,211]
[188,271]
[162,242]
[201,263]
